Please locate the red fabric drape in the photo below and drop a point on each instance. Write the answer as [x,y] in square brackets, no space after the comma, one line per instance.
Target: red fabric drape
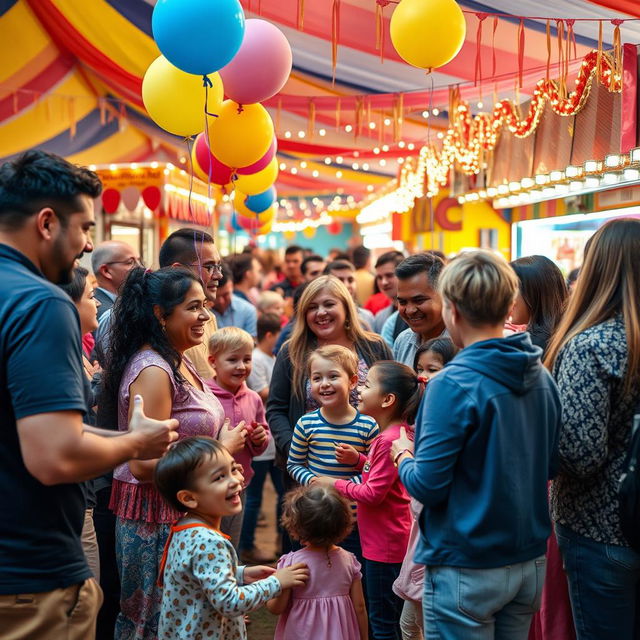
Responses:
[67,38]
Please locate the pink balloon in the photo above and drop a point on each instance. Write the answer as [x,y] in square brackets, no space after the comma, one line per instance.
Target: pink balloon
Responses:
[130,197]
[220,173]
[261,67]
[258,165]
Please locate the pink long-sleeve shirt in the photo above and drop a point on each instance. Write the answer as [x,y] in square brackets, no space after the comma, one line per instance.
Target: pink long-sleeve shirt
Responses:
[384,518]
[245,405]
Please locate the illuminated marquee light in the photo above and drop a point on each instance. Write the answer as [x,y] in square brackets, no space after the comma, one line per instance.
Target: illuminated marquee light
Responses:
[469,139]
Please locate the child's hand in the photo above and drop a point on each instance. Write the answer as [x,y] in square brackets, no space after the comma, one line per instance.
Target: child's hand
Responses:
[346,454]
[259,572]
[294,576]
[258,434]
[232,437]
[324,481]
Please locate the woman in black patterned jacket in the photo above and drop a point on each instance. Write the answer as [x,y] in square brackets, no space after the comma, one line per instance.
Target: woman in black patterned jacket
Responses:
[595,358]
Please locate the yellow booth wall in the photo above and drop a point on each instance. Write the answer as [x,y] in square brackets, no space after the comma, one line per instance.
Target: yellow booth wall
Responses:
[456,227]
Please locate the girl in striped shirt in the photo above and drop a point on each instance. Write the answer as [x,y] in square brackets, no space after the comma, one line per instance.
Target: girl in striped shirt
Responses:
[317,446]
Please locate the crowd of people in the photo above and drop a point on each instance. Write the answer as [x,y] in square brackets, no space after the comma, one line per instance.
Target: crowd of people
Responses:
[445,435]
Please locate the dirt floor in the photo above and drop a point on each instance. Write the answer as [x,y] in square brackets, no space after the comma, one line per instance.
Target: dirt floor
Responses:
[262,622]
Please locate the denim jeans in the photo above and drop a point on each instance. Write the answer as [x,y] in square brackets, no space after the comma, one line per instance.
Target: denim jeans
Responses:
[384,606]
[604,586]
[482,604]
[261,469]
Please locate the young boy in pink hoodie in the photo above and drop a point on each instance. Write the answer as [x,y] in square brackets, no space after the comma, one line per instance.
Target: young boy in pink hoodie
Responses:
[230,353]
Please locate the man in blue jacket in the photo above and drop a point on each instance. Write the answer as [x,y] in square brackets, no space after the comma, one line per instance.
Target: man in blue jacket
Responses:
[485,447]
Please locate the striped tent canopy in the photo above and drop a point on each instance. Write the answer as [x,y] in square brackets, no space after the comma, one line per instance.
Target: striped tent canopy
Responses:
[71,73]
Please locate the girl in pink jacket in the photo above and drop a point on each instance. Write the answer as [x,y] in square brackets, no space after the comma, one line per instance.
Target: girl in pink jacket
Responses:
[391,395]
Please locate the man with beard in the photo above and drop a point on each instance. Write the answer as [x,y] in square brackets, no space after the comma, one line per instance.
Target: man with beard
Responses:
[419,304]
[196,251]
[46,587]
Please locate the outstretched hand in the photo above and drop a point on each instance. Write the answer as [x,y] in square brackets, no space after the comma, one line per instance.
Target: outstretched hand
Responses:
[259,572]
[233,438]
[294,576]
[154,436]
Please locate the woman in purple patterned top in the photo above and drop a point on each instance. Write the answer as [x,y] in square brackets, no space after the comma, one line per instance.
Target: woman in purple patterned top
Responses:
[158,316]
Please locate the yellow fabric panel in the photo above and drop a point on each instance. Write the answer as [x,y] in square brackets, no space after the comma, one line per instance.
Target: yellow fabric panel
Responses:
[48,117]
[22,38]
[123,146]
[25,74]
[111,33]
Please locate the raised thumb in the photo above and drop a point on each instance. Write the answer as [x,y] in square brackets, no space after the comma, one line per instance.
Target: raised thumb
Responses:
[403,432]
[138,405]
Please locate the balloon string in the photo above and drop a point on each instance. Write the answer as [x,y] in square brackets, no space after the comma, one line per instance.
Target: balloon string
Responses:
[190,178]
[208,141]
[195,239]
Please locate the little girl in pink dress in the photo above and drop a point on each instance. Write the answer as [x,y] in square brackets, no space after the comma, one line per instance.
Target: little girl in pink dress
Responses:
[330,606]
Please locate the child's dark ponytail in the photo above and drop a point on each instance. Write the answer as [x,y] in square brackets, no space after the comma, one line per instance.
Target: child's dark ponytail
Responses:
[403,383]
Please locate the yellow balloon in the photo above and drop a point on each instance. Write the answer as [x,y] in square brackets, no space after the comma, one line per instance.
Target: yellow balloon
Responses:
[265,228]
[240,138]
[258,182]
[289,235]
[309,232]
[175,100]
[239,205]
[428,33]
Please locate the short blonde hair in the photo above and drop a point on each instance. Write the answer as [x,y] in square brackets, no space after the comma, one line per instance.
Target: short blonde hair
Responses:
[482,286]
[267,299]
[229,339]
[339,355]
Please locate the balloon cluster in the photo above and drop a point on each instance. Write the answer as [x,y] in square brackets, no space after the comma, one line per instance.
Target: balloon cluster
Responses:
[208,51]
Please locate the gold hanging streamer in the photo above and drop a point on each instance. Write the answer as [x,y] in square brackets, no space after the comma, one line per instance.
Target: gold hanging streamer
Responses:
[335,37]
[599,63]
[617,46]
[396,136]
[520,51]
[338,103]
[311,119]
[72,117]
[562,85]
[300,15]
[567,49]
[368,110]
[548,50]
[478,70]
[358,118]
[493,45]
[380,30]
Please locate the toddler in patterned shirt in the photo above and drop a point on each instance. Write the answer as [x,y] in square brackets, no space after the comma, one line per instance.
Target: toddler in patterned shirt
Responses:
[205,594]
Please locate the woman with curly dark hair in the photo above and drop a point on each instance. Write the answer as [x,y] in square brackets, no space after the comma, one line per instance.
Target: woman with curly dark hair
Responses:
[158,316]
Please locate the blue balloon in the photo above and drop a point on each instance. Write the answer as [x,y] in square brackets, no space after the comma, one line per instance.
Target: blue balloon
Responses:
[198,36]
[262,201]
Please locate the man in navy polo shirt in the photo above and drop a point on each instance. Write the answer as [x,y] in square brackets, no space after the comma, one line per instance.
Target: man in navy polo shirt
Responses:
[46,588]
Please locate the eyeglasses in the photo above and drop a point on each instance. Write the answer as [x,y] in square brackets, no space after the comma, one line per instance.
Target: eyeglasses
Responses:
[131,262]
[210,267]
